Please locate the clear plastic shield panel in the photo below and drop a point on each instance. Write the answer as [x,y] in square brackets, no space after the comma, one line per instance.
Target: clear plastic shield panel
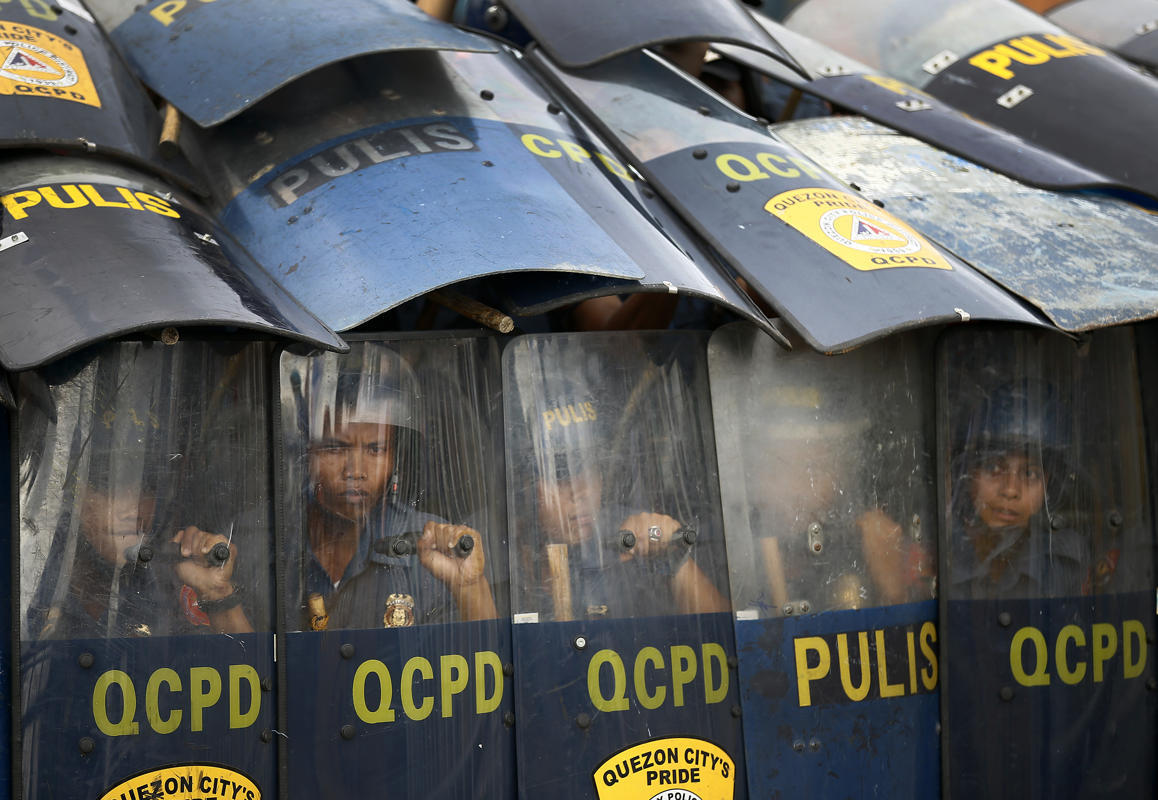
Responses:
[393,552]
[908,39]
[145,570]
[1048,567]
[828,499]
[619,579]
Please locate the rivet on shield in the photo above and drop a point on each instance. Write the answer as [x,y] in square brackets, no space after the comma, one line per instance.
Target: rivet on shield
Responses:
[1004,619]
[1115,519]
[266,736]
[583,720]
[1014,96]
[13,240]
[733,186]
[509,719]
[814,745]
[170,336]
[86,745]
[737,712]
[832,70]
[496,18]
[798,746]
[347,651]
[700,154]
[579,643]
[552,108]
[913,104]
[487,94]
[1006,693]
[86,660]
[348,732]
[939,62]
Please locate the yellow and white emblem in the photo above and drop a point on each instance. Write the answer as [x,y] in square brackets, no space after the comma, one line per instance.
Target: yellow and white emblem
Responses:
[35,63]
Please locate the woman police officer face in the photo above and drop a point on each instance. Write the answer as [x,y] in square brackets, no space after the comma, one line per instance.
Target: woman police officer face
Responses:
[351,467]
[1007,489]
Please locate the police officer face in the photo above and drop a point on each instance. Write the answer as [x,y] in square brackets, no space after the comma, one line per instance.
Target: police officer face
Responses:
[351,468]
[569,505]
[113,520]
[1008,489]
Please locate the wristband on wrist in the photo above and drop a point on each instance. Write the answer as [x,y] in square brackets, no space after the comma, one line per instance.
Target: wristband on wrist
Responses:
[231,600]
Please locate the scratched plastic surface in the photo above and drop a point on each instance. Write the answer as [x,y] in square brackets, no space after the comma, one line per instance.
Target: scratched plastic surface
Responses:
[829,514]
[619,584]
[1048,567]
[1086,260]
[123,448]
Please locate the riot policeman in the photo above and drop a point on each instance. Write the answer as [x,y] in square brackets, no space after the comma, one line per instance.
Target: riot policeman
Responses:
[610,549]
[120,562]
[370,557]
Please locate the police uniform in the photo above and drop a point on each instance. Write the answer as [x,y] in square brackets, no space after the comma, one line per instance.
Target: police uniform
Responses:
[1024,563]
[364,594]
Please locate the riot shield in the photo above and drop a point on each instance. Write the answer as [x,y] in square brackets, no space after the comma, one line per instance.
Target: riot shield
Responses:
[1004,65]
[144,597]
[1124,26]
[1085,260]
[622,642]
[851,85]
[394,572]
[828,500]
[151,259]
[1047,567]
[563,27]
[350,178]
[65,88]
[750,195]
[240,52]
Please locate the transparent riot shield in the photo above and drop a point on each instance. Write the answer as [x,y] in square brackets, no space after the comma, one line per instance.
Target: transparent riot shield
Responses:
[1047,567]
[394,571]
[999,62]
[619,587]
[828,497]
[144,602]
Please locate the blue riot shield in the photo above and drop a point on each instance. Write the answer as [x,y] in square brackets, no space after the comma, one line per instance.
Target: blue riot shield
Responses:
[828,498]
[749,194]
[144,600]
[152,260]
[1083,259]
[167,41]
[393,577]
[623,647]
[1006,66]
[377,172]
[1047,567]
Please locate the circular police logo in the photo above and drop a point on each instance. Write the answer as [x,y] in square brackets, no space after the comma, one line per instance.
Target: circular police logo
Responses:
[27,63]
[869,233]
